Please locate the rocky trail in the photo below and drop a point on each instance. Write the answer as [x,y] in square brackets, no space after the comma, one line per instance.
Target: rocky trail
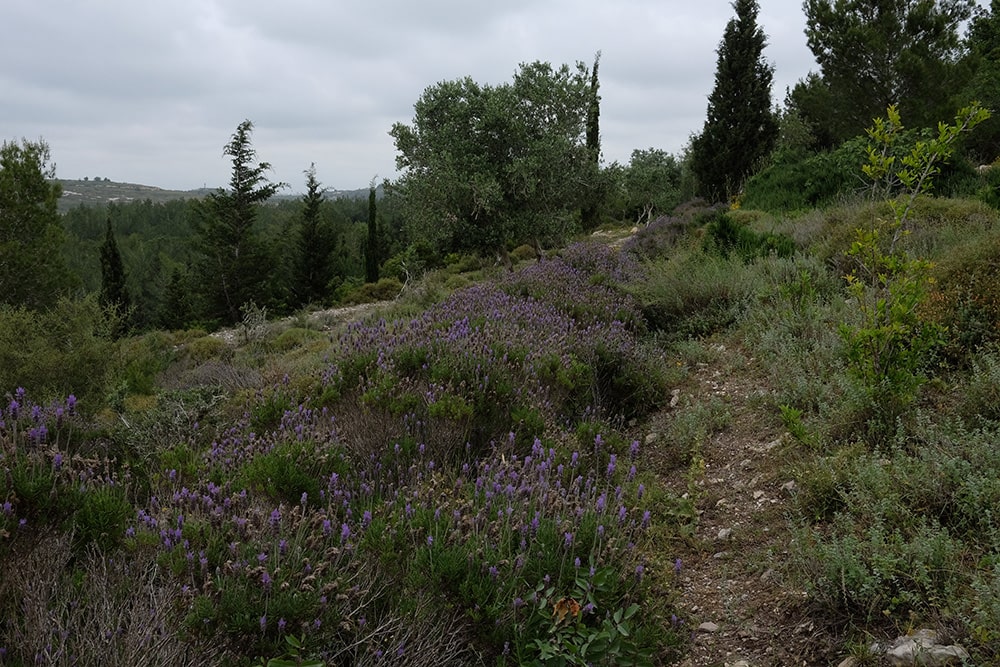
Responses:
[734,593]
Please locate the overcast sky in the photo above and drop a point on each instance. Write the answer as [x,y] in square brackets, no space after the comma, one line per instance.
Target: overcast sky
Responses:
[149,92]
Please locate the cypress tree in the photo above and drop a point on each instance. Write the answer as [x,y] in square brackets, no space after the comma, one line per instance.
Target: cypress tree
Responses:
[177,310]
[114,295]
[589,213]
[372,244]
[740,129]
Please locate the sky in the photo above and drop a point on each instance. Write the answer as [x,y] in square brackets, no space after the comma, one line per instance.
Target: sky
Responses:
[149,92]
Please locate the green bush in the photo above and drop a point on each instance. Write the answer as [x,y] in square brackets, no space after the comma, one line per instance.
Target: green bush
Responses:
[103,515]
[693,294]
[798,180]
[725,235]
[523,253]
[294,337]
[202,349]
[66,349]
[280,475]
[386,289]
[143,358]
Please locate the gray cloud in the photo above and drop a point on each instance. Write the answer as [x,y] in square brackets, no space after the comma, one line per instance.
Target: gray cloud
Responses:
[150,92]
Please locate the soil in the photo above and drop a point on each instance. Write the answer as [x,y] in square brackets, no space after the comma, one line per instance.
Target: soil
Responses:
[734,570]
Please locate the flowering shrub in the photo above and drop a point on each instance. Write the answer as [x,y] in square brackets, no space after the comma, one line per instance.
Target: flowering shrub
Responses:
[403,507]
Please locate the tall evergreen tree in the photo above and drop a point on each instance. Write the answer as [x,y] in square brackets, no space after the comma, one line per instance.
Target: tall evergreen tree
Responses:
[372,242]
[591,208]
[177,311]
[32,271]
[235,266]
[876,53]
[741,127]
[983,63]
[314,263]
[114,290]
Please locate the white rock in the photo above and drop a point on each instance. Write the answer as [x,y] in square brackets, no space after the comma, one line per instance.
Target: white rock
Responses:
[725,533]
[921,648]
[708,626]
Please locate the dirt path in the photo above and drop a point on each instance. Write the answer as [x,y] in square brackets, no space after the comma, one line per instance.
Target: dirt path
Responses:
[742,608]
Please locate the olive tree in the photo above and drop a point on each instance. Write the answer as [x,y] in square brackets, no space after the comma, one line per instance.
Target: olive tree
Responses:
[485,167]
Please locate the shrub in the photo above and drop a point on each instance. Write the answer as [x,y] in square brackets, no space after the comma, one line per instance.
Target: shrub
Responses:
[725,236]
[523,253]
[58,351]
[386,289]
[798,181]
[294,337]
[659,238]
[102,517]
[205,348]
[693,294]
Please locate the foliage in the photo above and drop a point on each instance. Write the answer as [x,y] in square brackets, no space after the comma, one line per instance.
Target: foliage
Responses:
[386,289]
[373,242]
[652,184]
[590,211]
[293,656]
[725,235]
[802,180]
[740,129]
[983,60]
[490,167]
[31,274]
[694,294]
[574,636]
[63,349]
[233,264]
[873,54]
[114,289]
[889,348]
[315,243]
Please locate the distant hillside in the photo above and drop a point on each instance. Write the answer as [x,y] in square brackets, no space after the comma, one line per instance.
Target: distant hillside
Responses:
[99,192]
[96,193]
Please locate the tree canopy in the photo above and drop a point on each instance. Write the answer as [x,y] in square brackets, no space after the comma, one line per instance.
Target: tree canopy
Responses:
[234,265]
[486,166]
[32,273]
[740,128]
[876,53]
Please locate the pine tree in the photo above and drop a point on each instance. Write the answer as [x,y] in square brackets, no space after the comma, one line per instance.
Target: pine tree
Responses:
[741,127]
[114,290]
[235,267]
[316,241]
[877,53]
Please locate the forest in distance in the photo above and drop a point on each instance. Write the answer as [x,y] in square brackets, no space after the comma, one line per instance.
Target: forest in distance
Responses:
[512,406]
